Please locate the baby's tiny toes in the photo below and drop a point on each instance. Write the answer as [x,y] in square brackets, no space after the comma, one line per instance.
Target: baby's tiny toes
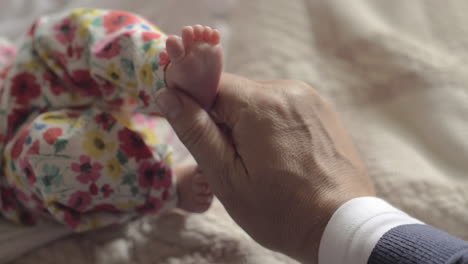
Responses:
[198,32]
[207,34]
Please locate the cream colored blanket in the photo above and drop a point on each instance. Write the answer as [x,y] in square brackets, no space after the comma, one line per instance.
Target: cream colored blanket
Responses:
[398,73]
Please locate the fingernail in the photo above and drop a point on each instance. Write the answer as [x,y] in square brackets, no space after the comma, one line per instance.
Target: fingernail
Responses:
[168,103]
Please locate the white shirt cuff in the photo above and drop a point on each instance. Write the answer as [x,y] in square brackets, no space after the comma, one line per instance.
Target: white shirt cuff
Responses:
[356,227]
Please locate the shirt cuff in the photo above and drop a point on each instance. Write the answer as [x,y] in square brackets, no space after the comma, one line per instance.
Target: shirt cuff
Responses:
[355,228]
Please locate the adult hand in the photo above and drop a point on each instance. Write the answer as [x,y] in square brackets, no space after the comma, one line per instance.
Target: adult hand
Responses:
[276,155]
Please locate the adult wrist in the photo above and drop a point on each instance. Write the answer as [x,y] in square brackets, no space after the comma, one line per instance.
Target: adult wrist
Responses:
[356,227]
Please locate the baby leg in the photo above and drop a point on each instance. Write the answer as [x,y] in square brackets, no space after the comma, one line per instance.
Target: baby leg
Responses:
[86,170]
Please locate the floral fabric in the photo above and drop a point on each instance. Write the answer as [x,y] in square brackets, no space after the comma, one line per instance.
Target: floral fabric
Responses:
[70,152]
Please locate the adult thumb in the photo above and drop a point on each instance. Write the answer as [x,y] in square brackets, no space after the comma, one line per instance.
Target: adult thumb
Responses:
[195,128]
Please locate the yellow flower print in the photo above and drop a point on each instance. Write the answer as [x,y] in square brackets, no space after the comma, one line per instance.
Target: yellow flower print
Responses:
[14,177]
[133,94]
[78,13]
[32,66]
[49,60]
[113,169]
[83,28]
[149,136]
[50,203]
[19,182]
[114,74]
[155,28]
[75,97]
[168,158]
[56,118]
[124,206]
[94,12]
[154,49]
[78,123]
[146,75]
[132,87]
[125,120]
[94,223]
[96,145]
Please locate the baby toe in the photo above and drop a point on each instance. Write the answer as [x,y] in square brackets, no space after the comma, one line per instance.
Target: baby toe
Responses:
[187,36]
[207,34]
[198,32]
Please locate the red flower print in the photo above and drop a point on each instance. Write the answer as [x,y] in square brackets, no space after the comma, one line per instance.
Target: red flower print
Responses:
[34,149]
[165,195]
[108,88]
[151,206]
[146,174]
[17,118]
[32,29]
[25,88]
[4,73]
[116,104]
[52,134]
[79,201]
[28,171]
[150,35]
[107,48]
[85,84]
[72,218]
[65,31]
[106,190]
[163,179]
[19,143]
[54,83]
[8,199]
[39,203]
[93,189]
[133,145]
[106,120]
[116,20]
[70,51]
[79,50]
[105,208]
[164,59]
[60,57]
[27,218]
[153,175]
[87,172]
[7,54]
[20,195]
[144,97]
[74,114]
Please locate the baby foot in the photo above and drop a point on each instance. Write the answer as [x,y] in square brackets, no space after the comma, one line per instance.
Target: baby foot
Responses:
[196,63]
[193,190]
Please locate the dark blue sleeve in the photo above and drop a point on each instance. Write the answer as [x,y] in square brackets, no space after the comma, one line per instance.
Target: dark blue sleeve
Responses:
[419,244]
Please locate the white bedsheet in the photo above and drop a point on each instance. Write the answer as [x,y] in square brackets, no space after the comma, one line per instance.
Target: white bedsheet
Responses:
[396,70]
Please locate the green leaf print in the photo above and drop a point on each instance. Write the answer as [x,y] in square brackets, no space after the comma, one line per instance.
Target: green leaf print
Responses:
[155,65]
[121,157]
[90,40]
[97,22]
[52,177]
[147,46]
[47,101]
[128,67]
[129,179]
[60,145]
[160,84]
[12,164]
[134,190]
